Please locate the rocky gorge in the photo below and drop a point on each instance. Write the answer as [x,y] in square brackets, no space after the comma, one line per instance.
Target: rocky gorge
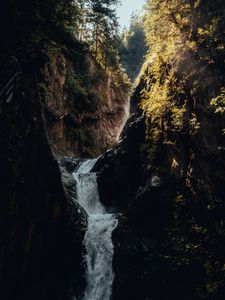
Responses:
[98,203]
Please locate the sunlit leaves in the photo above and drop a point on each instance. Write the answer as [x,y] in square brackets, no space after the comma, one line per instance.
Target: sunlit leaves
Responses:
[218,103]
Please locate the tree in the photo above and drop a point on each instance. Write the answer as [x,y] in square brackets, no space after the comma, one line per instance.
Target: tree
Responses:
[132,46]
[91,22]
[101,27]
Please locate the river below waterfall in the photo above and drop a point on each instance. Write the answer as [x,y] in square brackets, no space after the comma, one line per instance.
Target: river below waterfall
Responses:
[98,238]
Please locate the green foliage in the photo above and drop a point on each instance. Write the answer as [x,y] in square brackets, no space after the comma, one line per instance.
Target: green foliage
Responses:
[34,21]
[218,103]
[97,27]
[180,39]
[85,32]
[184,70]
[86,98]
[95,99]
[132,47]
[43,91]
[92,22]
[74,85]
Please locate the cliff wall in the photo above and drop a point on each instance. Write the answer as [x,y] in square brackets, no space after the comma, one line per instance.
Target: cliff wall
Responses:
[39,246]
[167,175]
[59,106]
[85,113]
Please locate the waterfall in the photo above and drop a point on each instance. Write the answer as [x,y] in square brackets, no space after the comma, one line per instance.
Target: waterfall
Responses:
[98,237]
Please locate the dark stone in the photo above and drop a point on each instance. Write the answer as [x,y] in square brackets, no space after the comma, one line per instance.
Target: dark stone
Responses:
[41,232]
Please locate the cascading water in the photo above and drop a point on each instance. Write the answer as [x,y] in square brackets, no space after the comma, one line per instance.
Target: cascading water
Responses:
[98,237]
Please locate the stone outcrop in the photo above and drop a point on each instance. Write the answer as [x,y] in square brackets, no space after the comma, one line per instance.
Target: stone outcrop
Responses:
[41,249]
[170,240]
[73,129]
[41,231]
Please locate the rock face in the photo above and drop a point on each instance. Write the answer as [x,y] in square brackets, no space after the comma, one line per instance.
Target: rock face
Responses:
[167,179]
[169,242]
[52,114]
[142,197]
[167,176]
[40,247]
[116,187]
[84,116]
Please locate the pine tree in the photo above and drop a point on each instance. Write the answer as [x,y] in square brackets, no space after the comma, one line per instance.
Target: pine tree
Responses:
[132,47]
[101,29]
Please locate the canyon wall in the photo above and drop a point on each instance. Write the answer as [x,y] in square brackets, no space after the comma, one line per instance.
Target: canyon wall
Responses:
[84,113]
[39,246]
[167,175]
[51,114]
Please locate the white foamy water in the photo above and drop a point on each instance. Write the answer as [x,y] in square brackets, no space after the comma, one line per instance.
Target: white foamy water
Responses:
[98,237]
